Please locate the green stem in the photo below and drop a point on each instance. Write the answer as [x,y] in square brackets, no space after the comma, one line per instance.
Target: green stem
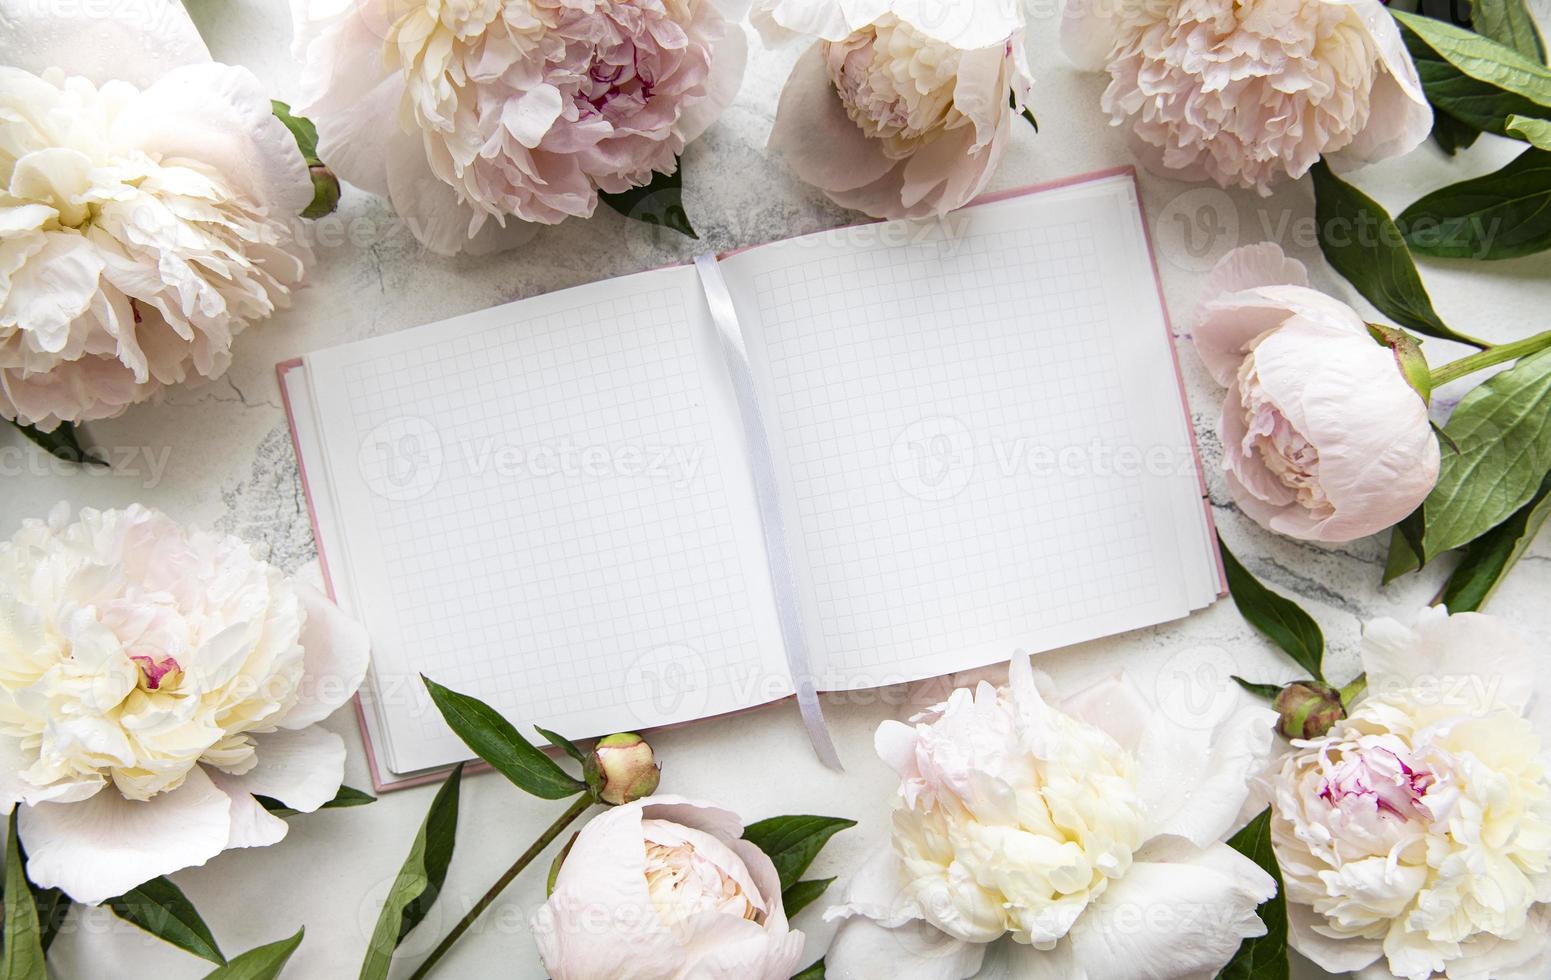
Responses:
[577,808]
[1354,690]
[1472,363]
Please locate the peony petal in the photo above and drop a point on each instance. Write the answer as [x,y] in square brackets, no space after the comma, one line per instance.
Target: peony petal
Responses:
[876,891]
[864,950]
[106,845]
[1465,655]
[354,144]
[1332,955]
[1115,706]
[1195,780]
[221,116]
[135,41]
[728,60]
[1399,116]
[52,288]
[302,769]
[1180,910]
[1089,32]
[252,825]
[337,650]
[815,136]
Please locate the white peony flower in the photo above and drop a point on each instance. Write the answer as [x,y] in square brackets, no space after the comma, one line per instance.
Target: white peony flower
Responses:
[1323,437]
[1251,92]
[1087,829]
[145,212]
[666,888]
[465,113]
[153,681]
[1416,834]
[899,108]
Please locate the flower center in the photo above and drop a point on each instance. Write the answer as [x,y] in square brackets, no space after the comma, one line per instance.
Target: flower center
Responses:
[153,672]
[1290,457]
[683,884]
[1381,778]
[896,84]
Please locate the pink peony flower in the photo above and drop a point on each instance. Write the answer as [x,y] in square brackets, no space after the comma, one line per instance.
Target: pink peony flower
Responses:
[666,888]
[899,108]
[468,112]
[1323,438]
[1249,92]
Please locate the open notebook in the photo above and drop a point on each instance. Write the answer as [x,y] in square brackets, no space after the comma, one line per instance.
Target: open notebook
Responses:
[966,436]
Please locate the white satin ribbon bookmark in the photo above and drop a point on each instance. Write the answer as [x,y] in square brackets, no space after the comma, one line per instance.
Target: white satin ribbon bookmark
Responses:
[762,464]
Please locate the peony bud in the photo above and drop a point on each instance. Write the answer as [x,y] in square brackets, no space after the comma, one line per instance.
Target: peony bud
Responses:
[623,769]
[325,192]
[1308,709]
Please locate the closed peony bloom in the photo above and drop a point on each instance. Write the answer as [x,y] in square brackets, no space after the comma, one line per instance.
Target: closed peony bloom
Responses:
[153,681]
[1323,437]
[146,211]
[666,888]
[1251,92]
[1415,838]
[1087,830]
[901,108]
[468,113]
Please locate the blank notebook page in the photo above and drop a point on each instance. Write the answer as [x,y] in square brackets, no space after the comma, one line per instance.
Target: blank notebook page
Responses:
[546,505]
[979,433]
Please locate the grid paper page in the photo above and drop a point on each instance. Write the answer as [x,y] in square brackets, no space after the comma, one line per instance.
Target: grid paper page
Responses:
[541,512]
[957,417]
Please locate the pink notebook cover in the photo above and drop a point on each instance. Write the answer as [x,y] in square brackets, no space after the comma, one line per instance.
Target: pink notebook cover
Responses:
[383,780]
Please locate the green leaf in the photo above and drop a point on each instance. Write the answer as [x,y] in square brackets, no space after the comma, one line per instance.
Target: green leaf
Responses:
[1264,957]
[1267,691]
[495,740]
[1363,244]
[1473,78]
[161,909]
[346,797]
[1502,215]
[63,443]
[419,881]
[1405,548]
[259,963]
[562,743]
[1503,429]
[803,894]
[53,909]
[301,128]
[1281,620]
[1536,132]
[814,972]
[1509,23]
[1451,135]
[660,202]
[1489,557]
[791,843]
[22,958]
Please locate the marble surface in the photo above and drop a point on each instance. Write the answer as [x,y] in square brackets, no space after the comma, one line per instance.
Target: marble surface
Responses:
[221,456]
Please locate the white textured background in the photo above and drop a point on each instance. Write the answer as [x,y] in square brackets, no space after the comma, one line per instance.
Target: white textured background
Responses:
[228,463]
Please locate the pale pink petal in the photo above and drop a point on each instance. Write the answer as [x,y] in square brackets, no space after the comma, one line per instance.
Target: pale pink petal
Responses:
[104,846]
[727,64]
[221,116]
[252,825]
[1088,32]
[337,649]
[1195,780]
[815,136]
[864,950]
[302,769]
[134,41]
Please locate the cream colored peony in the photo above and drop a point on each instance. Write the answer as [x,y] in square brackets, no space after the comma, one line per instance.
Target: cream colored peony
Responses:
[666,888]
[1086,829]
[465,113]
[1323,437]
[153,681]
[1415,837]
[145,216]
[1251,92]
[899,108]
